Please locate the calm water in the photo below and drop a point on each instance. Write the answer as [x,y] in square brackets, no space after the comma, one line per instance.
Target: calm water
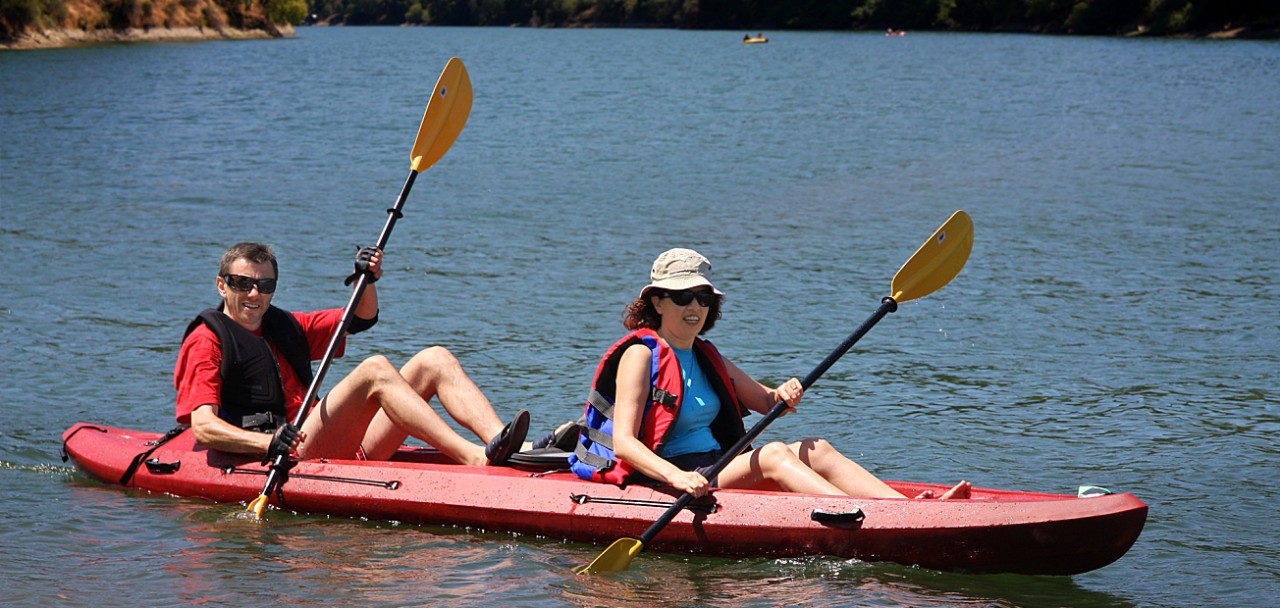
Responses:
[1117,324]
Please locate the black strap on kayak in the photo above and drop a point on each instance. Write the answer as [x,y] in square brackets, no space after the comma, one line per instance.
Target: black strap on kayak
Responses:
[140,458]
[703,507]
[390,485]
[66,457]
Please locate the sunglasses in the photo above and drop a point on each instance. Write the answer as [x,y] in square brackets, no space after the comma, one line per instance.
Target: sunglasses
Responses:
[246,284]
[684,296]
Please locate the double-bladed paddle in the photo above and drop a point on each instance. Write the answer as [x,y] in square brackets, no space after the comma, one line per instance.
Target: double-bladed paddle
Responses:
[446,114]
[931,267]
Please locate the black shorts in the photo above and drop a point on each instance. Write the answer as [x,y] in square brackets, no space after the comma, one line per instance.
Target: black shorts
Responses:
[698,462]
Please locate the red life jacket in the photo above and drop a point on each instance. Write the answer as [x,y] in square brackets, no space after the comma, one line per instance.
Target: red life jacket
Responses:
[593,458]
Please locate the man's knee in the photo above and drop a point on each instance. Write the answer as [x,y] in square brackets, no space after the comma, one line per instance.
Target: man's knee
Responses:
[430,366]
[434,360]
[435,355]
[376,368]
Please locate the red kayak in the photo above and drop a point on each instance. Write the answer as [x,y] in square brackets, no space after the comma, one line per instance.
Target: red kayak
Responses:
[993,531]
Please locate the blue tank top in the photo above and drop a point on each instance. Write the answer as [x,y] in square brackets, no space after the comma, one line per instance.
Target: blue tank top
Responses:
[692,430]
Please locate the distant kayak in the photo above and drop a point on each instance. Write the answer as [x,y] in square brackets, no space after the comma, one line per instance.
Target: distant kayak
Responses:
[992,531]
[754,40]
[895,33]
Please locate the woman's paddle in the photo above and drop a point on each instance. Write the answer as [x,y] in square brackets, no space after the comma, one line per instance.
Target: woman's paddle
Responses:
[932,266]
[443,120]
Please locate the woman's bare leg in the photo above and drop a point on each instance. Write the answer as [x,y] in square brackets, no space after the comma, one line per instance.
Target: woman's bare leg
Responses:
[836,468]
[774,467]
[960,490]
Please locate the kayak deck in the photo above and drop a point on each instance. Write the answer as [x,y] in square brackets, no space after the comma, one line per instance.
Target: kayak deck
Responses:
[993,531]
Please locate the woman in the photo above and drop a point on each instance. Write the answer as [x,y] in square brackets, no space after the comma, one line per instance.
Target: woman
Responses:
[664,403]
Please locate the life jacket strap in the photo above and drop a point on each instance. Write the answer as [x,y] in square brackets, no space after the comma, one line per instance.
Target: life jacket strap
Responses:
[601,403]
[263,422]
[663,397]
[595,461]
[600,437]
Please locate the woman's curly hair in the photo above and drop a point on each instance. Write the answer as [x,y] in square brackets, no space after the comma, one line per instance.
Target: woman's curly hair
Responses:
[640,313]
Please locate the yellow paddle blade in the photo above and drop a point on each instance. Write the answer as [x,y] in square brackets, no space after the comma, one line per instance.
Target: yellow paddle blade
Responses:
[614,559]
[937,261]
[446,114]
[258,506]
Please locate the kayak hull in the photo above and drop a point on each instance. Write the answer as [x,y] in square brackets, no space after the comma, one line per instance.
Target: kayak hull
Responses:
[994,531]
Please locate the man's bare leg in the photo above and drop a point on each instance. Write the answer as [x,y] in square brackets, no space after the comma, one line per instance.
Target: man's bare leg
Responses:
[374,408]
[435,372]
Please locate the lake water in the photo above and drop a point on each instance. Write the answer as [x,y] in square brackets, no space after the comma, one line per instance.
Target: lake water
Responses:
[1118,322]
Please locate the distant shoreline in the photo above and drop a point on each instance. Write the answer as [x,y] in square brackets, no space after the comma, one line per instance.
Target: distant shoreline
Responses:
[62,38]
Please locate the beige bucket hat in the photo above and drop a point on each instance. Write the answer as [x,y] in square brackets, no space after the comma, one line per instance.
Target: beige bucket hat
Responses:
[678,269]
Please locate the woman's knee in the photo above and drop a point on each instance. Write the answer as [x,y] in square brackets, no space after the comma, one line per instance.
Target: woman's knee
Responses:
[820,455]
[813,447]
[776,456]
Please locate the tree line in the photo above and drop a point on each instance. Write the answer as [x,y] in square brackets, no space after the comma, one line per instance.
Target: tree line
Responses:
[21,16]
[1104,17]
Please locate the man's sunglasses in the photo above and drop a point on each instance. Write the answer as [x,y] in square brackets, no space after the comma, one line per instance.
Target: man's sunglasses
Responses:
[684,296]
[246,284]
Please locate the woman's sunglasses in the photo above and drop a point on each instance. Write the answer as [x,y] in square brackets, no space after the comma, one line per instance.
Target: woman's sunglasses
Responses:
[246,284]
[684,296]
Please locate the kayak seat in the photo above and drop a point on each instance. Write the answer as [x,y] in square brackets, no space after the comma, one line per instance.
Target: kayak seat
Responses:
[551,451]
[541,459]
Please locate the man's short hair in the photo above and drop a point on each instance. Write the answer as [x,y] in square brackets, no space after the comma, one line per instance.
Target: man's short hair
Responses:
[254,252]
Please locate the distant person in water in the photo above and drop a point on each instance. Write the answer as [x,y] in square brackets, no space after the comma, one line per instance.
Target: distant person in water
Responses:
[665,404]
[244,369]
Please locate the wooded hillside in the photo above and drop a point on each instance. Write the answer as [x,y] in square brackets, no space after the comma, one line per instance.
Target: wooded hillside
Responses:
[1224,18]
[1103,17]
[26,17]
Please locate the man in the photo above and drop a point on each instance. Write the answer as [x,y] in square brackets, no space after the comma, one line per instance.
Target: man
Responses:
[244,369]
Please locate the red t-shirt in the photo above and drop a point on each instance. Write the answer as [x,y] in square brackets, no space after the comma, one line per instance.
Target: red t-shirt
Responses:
[198,372]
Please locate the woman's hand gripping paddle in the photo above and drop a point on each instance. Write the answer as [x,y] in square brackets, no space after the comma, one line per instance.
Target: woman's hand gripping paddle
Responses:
[446,114]
[932,266]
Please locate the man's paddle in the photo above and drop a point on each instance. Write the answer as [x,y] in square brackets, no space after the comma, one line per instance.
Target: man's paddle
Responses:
[932,266]
[446,114]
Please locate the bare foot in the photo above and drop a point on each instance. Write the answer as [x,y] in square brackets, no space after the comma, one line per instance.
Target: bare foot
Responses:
[960,490]
[925,494]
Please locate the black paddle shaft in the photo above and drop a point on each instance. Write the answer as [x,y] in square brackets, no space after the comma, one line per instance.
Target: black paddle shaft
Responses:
[887,305]
[273,477]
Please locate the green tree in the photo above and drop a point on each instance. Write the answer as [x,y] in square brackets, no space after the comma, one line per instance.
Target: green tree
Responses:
[292,12]
[1105,16]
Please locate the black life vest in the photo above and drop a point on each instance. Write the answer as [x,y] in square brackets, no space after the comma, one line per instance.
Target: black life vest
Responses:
[252,391]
